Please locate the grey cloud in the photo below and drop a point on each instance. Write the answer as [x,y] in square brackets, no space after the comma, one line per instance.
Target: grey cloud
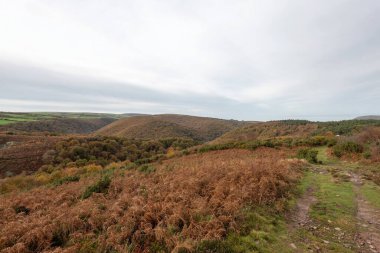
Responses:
[256,60]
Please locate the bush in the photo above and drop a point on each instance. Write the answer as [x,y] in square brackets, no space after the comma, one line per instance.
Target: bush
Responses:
[129,166]
[99,187]
[309,154]
[146,169]
[66,180]
[347,147]
[105,150]
[367,155]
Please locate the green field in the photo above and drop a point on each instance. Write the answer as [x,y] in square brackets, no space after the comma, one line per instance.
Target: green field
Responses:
[14,117]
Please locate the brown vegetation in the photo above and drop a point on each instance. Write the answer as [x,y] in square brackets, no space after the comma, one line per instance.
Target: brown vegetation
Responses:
[168,126]
[266,130]
[175,205]
[23,152]
[62,125]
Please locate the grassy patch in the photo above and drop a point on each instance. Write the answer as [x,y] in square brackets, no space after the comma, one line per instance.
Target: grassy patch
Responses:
[99,187]
[263,230]
[323,157]
[335,200]
[146,169]
[334,213]
[67,179]
[371,193]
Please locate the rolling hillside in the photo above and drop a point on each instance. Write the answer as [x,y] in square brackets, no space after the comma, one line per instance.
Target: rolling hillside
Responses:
[168,126]
[60,125]
[294,128]
[267,130]
[23,152]
[366,117]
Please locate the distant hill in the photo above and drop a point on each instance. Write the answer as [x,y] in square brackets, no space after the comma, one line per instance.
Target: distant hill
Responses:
[15,117]
[132,114]
[60,125]
[264,130]
[376,117]
[23,152]
[170,125]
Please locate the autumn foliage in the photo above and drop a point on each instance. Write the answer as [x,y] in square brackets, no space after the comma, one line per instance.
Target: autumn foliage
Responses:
[172,208]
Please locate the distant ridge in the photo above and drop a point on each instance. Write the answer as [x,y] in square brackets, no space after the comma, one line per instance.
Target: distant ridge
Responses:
[376,117]
[60,125]
[170,126]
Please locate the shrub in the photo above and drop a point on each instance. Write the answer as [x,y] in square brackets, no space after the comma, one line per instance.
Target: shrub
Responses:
[367,155]
[146,169]
[347,147]
[105,150]
[66,180]
[99,187]
[309,154]
[93,168]
[130,166]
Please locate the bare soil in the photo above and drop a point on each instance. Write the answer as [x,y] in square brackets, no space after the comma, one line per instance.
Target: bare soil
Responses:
[300,217]
[368,221]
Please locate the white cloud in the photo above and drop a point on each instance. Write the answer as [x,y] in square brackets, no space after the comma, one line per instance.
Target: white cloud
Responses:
[287,55]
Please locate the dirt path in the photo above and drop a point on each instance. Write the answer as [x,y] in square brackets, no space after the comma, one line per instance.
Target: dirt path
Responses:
[300,217]
[368,221]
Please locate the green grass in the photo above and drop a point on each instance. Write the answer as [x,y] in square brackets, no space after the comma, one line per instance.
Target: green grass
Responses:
[335,208]
[371,193]
[263,231]
[323,157]
[9,117]
[336,200]
[4,122]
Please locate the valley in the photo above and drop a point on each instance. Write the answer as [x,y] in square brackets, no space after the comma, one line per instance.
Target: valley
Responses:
[175,183]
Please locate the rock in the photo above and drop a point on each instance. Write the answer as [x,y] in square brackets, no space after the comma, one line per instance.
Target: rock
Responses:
[326,242]
[293,246]
[338,229]
[329,221]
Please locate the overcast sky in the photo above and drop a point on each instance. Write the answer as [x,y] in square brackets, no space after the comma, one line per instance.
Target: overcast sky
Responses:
[253,60]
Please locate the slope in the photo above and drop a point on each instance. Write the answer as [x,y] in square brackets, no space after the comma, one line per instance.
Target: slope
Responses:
[267,130]
[170,125]
[60,125]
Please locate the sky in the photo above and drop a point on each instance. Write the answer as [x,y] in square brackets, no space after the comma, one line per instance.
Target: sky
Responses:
[243,59]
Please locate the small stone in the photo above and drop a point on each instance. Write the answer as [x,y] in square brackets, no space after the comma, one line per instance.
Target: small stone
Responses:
[329,221]
[337,229]
[327,242]
[293,246]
